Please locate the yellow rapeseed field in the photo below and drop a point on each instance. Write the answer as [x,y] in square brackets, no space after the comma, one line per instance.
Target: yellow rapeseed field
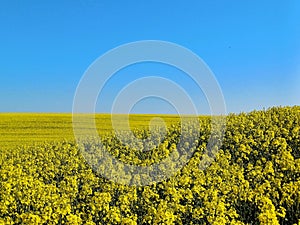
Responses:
[254,178]
[19,129]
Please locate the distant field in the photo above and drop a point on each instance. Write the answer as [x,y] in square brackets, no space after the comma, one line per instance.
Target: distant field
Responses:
[17,129]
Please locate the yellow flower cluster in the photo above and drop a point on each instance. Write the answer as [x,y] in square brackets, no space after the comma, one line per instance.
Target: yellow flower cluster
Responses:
[254,178]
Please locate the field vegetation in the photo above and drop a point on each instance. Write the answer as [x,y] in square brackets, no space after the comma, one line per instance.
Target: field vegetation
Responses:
[254,178]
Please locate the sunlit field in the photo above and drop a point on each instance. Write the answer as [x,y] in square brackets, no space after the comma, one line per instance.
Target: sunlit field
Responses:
[254,178]
[17,129]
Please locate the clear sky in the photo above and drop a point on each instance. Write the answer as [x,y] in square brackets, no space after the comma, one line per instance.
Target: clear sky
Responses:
[253,48]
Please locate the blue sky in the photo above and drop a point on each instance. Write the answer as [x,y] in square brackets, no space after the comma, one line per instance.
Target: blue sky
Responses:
[253,48]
